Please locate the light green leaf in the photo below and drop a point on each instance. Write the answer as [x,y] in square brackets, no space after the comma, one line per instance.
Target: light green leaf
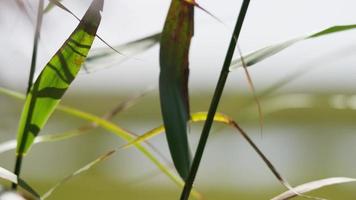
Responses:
[117,130]
[11,144]
[266,52]
[56,77]
[173,81]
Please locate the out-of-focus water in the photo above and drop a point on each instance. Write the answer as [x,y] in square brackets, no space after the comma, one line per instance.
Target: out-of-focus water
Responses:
[304,144]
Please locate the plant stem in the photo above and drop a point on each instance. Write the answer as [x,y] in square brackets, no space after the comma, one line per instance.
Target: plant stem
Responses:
[215,102]
[35,44]
[18,163]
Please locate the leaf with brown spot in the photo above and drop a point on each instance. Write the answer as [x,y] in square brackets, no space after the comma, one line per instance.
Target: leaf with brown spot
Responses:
[56,77]
[173,81]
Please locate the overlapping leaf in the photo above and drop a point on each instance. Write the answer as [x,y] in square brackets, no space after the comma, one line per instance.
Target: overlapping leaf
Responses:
[173,81]
[56,77]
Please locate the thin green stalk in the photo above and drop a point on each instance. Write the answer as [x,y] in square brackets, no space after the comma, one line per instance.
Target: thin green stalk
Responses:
[18,163]
[35,44]
[215,102]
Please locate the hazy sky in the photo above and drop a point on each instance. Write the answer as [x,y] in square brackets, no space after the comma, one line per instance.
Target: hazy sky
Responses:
[267,22]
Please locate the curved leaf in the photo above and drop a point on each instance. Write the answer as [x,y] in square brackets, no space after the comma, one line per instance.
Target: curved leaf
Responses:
[113,128]
[314,185]
[173,81]
[56,77]
[11,144]
[266,52]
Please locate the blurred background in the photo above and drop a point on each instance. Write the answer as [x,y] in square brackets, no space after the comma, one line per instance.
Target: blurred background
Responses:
[309,116]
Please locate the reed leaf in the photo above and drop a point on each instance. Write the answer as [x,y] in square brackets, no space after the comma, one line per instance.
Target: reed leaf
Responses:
[49,6]
[9,176]
[126,135]
[314,185]
[173,81]
[54,80]
[56,77]
[221,118]
[266,52]
[11,144]
[113,128]
[135,141]
[104,57]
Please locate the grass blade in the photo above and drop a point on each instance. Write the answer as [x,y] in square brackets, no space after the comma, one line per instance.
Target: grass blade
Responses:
[266,52]
[195,117]
[11,144]
[105,57]
[35,44]
[215,101]
[61,6]
[124,134]
[76,173]
[55,79]
[253,90]
[9,176]
[113,128]
[49,7]
[314,185]
[173,81]
[221,118]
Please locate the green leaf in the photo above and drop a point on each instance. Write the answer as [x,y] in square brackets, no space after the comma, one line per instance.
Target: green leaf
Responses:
[126,135]
[11,144]
[266,52]
[173,81]
[113,128]
[9,176]
[56,77]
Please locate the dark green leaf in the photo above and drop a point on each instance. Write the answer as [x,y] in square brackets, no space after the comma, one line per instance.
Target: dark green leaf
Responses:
[173,81]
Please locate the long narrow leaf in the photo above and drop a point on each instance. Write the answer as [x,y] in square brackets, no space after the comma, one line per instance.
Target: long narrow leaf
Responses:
[136,141]
[266,52]
[9,176]
[56,77]
[173,81]
[314,185]
[202,116]
[124,134]
[11,144]
[61,6]
[49,7]
[113,128]
[105,57]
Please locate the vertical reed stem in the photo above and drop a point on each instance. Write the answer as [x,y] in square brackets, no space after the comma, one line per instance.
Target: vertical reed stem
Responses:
[215,102]
[18,163]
